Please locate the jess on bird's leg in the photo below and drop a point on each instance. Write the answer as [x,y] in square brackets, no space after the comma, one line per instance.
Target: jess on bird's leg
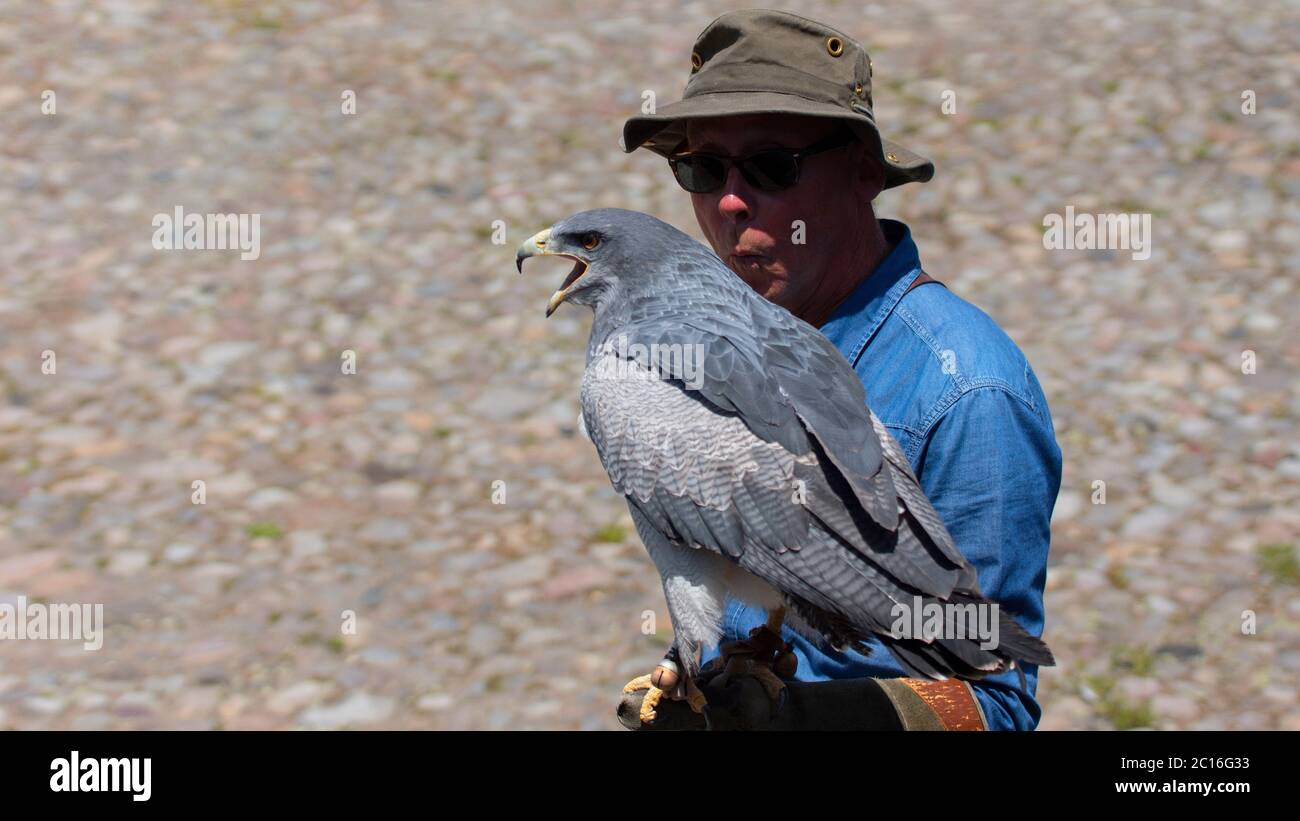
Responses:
[666,679]
[764,655]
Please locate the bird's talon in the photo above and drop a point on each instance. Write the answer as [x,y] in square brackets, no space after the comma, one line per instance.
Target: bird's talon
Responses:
[682,690]
[649,703]
[695,697]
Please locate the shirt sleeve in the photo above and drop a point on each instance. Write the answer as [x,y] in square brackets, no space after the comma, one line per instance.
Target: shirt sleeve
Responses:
[992,469]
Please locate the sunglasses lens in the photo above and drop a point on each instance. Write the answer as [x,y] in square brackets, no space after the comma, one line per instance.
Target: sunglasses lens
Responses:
[700,174]
[772,170]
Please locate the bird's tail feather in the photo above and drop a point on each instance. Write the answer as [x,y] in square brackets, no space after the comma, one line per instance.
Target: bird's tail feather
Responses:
[1014,641]
[964,658]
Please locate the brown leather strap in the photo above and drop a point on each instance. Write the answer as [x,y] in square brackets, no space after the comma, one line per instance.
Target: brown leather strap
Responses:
[952,700]
[921,279]
[934,705]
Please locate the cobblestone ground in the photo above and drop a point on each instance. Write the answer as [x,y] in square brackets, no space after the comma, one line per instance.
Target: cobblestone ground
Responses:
[372,492]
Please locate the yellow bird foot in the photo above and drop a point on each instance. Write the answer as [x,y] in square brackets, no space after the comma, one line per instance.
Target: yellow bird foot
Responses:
[650,701]
[695,697]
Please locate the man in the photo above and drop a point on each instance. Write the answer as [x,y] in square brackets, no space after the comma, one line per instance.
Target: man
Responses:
[797,225]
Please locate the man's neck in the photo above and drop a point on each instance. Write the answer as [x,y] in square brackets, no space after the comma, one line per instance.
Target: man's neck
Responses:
[836,286]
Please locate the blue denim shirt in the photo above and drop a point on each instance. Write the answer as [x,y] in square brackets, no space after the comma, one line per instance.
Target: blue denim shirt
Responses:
[968,411]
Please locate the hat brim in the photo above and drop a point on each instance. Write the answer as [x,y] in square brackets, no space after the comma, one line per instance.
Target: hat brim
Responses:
[665,130]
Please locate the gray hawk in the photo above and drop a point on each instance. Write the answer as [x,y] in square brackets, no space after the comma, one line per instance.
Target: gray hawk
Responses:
[752,466]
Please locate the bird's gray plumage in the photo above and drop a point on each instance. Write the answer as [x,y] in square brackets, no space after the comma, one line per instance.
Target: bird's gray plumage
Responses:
[759,473]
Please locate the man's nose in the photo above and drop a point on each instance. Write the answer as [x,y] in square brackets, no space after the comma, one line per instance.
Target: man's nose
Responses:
[735,202]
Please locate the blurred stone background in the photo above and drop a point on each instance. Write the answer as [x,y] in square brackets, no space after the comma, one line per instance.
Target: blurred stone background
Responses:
[371,492]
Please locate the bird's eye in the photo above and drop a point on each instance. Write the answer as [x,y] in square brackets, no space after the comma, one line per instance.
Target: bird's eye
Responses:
[590,241]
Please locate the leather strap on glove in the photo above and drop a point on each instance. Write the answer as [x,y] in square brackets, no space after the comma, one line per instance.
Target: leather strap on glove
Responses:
[934,705]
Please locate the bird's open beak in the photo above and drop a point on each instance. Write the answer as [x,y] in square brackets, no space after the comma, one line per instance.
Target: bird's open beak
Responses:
[536,246]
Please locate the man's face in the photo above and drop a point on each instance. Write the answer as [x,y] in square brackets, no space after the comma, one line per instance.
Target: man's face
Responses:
[751,229]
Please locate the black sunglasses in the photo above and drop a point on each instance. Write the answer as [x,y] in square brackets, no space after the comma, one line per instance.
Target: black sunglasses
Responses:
[772,169]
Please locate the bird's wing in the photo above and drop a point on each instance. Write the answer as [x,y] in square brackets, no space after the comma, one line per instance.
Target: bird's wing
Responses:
[804,361]
[784,378]
[704,478]
[791,386]
[695,470]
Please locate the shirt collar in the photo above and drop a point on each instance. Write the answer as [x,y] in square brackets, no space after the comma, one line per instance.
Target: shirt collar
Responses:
[856,319]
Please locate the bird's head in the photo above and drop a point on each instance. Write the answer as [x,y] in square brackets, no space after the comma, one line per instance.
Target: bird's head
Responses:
[609,247]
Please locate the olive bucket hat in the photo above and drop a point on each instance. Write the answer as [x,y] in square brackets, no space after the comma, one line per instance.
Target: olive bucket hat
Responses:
[759,61]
